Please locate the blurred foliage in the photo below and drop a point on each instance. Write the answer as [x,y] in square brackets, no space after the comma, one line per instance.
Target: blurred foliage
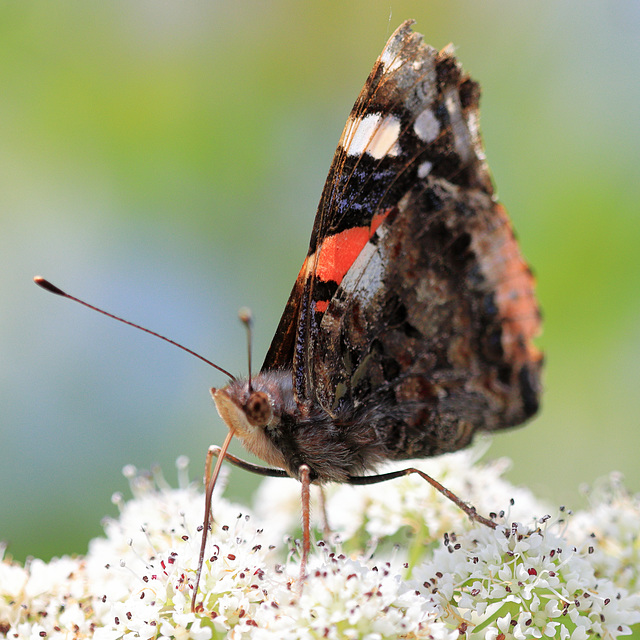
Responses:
[164,160]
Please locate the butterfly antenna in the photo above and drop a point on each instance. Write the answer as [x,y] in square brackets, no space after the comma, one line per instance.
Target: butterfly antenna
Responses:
[45,284]
[247,320]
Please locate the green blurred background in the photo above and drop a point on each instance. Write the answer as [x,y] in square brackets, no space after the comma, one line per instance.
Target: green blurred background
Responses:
[164,160]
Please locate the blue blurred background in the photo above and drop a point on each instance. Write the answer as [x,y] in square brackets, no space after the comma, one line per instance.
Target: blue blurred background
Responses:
[164,160]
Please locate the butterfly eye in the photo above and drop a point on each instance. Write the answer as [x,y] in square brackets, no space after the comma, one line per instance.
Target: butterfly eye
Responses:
[258,409]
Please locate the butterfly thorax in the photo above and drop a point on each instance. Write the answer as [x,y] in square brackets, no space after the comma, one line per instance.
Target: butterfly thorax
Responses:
[283,433]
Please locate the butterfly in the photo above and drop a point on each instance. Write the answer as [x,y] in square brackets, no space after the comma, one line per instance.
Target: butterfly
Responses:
[411,324]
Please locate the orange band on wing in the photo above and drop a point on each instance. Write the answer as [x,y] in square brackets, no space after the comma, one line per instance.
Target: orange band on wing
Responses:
[338,252]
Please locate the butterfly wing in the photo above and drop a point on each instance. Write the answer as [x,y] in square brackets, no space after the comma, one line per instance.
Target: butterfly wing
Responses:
[414,297]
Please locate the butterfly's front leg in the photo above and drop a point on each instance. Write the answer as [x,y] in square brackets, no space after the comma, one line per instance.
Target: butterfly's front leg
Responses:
[270,472]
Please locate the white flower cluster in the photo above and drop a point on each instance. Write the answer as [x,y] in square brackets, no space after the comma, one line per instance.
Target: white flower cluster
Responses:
[390,570]
[516,583]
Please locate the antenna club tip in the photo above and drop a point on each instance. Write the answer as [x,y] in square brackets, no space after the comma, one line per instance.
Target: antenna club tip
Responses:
[45,284]
[245,315]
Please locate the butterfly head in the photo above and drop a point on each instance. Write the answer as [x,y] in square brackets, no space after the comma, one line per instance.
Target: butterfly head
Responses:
[248,411]
[243,414]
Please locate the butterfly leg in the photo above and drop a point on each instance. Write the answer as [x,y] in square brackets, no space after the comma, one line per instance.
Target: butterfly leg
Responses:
[208,469]
[305,482]
[466,508]
[208,517]
[214,451]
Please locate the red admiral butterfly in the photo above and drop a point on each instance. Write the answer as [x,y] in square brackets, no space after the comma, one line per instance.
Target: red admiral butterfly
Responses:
[410,325]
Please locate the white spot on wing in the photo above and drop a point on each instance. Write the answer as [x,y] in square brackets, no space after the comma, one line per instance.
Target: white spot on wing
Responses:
[427,126]
[372,134]
[424,169]
[461,135]
[474,130]
[390,60]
